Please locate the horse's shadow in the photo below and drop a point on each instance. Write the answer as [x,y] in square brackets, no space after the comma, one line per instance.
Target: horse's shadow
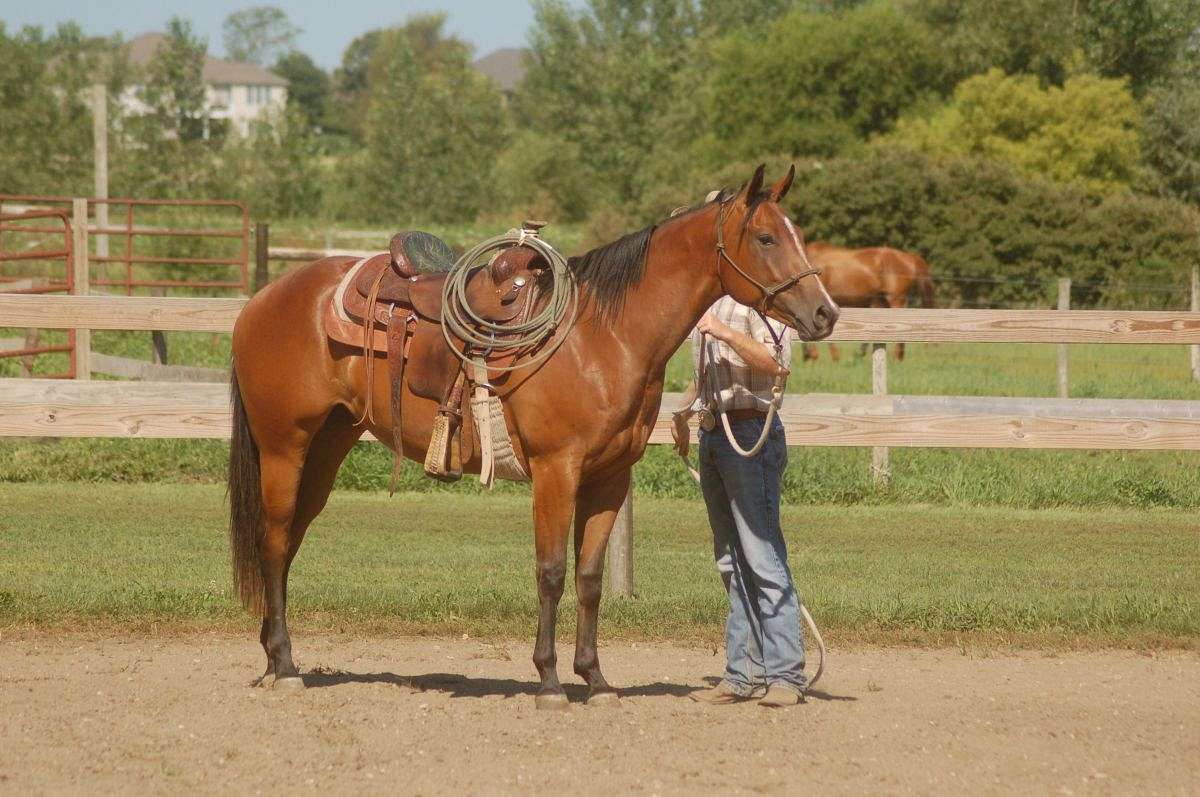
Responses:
[456,685]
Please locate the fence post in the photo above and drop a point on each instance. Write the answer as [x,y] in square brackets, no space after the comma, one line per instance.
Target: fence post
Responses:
[1196,309]
[620,550]
[82,280]
[1064,303]
[261,244]
[881,469]
[100,166]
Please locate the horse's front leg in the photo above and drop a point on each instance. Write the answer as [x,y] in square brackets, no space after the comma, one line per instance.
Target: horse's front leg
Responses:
[596,509]
[553,503]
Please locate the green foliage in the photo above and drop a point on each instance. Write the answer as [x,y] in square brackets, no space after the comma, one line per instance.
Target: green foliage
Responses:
[598,78]
[541,176]
[308,85]
[45,119]
[976,220]
[255,34]
[434,127]
[278,167]
[1172,138]
[1086,130]
[1017,36]
[816,84]
[162,150]
[1144,40]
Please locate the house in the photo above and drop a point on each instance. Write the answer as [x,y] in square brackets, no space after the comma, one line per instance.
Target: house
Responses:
[237,92]
[505,66]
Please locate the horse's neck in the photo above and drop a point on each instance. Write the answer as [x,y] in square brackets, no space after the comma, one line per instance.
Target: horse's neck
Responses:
[680,283]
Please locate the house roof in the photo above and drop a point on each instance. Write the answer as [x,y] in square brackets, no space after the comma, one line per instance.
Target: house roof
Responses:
[216,70]
[506,66]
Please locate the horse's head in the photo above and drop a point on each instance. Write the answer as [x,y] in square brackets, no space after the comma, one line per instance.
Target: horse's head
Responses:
[761,260]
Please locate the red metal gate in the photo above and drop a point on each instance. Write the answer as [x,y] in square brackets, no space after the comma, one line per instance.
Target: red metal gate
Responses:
[39,222]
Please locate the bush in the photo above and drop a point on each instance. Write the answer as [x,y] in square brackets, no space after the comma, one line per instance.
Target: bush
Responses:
[976,221]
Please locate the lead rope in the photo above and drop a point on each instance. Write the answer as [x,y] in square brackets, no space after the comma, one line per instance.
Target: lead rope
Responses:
[772,411]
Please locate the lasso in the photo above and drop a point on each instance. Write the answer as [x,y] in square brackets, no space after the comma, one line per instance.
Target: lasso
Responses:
[460,322]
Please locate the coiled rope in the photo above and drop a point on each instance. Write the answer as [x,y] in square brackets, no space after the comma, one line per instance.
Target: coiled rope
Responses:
[460,322]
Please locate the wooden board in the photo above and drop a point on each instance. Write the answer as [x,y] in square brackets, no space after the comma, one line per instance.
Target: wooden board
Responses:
[55,408]
[1003,326]
[1017,326]
[120,312]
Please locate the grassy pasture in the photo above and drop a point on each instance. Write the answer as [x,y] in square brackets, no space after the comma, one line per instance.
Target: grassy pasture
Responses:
[155,556]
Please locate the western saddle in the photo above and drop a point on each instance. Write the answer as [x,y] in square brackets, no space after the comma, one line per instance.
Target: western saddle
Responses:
[391,305]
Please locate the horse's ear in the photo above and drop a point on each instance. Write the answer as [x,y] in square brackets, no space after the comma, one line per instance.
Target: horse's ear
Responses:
[780,189]
[756,183]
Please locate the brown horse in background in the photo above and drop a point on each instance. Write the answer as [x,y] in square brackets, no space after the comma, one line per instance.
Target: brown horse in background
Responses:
[578,421]
[878,276]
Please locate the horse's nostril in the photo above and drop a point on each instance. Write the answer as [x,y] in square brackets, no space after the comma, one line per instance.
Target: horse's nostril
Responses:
[826,316]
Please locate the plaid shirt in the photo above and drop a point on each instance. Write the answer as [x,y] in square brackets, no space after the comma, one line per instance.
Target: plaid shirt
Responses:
[732,383]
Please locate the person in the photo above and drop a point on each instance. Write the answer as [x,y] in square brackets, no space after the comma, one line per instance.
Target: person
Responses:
[743,355]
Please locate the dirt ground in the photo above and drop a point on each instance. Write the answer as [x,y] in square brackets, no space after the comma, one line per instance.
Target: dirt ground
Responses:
[427,716]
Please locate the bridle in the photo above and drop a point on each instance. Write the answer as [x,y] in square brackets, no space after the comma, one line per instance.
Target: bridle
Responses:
[768,294]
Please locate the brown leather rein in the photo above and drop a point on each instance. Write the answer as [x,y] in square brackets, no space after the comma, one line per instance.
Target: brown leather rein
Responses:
[769,294]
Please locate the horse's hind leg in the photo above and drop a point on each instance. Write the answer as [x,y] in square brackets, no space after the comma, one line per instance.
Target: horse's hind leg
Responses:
[285,524]
[596,508]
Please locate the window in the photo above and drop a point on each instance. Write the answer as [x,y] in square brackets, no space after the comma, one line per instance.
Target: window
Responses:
[221,95]
[258,95]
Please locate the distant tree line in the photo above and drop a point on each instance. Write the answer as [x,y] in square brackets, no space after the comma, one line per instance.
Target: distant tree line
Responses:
[1045,137]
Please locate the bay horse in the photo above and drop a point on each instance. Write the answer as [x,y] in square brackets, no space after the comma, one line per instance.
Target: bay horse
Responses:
[877,276]
[579,421]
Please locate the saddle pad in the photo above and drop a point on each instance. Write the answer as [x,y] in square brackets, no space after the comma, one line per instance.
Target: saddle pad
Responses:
[340,327]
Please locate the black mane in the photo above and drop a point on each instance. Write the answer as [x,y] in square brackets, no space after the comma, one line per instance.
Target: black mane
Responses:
[609,271]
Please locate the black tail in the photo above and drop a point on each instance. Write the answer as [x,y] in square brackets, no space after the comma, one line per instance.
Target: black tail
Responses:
[924,282]
[245,504]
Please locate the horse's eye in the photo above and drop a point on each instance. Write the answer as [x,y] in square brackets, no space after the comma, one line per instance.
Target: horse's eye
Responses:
[766,239]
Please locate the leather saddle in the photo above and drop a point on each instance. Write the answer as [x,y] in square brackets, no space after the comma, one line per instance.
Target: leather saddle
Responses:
[393,303]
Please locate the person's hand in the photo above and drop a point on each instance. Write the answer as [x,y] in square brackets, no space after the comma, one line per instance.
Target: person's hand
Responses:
[681,433]
[711,325]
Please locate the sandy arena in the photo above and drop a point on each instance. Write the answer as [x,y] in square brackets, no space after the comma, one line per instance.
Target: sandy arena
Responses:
[427,716]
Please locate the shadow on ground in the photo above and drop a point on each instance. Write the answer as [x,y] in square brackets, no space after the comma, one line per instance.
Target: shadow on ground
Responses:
[457,685]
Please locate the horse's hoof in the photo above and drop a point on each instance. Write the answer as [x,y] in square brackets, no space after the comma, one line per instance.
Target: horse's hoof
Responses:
[291,683]
[552,701]
[605,699]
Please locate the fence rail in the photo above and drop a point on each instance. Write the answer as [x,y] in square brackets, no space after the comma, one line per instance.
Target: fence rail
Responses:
[54,408]
[856,324]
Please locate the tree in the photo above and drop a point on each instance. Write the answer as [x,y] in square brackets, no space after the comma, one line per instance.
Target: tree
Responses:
[816,84]
[164,150]
[256,34]
[1145,40]
[1087,130]
[348,99]
[45,111]
[308,85]
[433,129]
[1172,139]
[278,167]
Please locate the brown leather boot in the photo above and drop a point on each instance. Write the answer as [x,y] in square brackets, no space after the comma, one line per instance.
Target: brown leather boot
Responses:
[780,696]
[722,694]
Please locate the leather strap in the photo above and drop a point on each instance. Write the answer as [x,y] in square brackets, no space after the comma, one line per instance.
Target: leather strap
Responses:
[397,339]
[368,356]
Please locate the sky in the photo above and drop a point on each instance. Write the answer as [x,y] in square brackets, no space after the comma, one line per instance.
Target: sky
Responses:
[328,25]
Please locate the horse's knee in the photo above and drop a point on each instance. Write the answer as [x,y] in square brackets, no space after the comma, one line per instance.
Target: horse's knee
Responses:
[551,579]
[588,587]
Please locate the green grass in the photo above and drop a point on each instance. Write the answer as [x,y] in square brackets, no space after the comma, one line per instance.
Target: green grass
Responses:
[132,557]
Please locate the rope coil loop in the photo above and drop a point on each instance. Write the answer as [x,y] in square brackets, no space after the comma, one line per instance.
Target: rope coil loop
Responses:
[462,324]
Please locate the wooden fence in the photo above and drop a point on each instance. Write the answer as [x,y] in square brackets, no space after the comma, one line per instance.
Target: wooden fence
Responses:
[55,408]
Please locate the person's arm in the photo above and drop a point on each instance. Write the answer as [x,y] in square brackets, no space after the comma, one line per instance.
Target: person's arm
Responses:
[756,354]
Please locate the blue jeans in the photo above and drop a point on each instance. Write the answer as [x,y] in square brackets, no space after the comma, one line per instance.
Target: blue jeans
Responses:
[762,632]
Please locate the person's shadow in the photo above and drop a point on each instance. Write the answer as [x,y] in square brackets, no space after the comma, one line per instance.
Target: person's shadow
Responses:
[457,685]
